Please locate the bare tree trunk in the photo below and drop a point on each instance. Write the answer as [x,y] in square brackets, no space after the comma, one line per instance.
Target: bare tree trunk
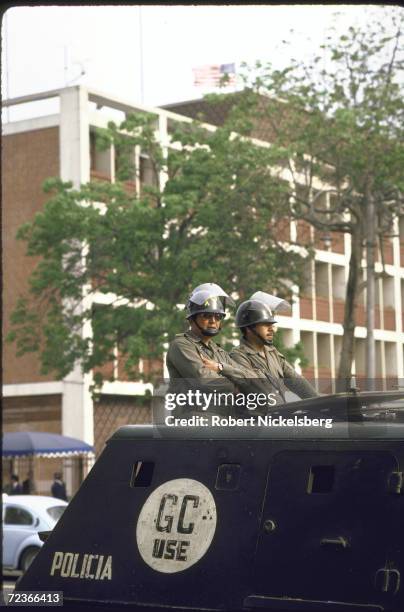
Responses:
[348,339]
[370,293]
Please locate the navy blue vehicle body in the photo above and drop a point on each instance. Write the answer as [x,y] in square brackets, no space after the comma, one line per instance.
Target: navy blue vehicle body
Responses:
[300,522]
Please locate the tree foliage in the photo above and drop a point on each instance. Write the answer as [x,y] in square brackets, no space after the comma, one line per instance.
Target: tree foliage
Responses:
[337,124]
[122,263]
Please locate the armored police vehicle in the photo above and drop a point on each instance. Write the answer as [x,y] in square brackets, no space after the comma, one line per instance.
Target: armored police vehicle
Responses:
[258,517]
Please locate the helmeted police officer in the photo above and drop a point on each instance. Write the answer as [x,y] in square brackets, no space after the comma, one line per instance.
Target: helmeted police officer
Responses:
[189,351]
[255,319]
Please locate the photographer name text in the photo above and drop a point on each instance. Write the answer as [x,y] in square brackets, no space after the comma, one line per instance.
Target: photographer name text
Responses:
[253,421]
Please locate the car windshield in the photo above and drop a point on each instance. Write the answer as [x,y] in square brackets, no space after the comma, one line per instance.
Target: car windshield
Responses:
[55,512]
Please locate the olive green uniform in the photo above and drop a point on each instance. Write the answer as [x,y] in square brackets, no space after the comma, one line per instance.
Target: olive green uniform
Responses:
[184,361]
[278,372]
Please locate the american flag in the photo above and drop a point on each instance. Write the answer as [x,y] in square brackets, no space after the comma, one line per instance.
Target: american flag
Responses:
[212,74]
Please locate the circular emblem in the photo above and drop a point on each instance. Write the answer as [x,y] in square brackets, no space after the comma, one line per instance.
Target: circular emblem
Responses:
[176,525]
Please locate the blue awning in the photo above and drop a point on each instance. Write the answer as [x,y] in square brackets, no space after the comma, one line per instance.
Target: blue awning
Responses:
[26,443]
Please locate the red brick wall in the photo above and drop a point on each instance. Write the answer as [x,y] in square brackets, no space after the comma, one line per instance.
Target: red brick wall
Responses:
[322,309]
[283,230]
[338,310]
[308,372]
[390,319]
[303,233]
[33,413]
[306,307]
[337,242]
[360,314]
[27,160]
[388,253]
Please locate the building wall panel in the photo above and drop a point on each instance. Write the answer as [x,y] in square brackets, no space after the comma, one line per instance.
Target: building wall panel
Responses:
[33,413]
[28,158]
[112,412]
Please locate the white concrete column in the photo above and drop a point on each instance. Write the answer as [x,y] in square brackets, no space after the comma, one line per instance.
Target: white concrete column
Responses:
[164,142]
[74,144]
[77,404]
[398,305]
[295,321]
[295,314]
[400,361]
[315,357]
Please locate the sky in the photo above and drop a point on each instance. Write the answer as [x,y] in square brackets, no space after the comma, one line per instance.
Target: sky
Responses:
[109,48]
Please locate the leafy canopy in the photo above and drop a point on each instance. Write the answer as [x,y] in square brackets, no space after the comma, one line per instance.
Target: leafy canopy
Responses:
[122,263]
[336,123]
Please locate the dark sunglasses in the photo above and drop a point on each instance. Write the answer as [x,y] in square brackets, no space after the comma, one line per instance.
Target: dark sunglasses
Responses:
[212,315]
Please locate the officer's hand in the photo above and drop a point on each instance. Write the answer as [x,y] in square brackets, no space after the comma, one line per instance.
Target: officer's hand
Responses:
[210,364]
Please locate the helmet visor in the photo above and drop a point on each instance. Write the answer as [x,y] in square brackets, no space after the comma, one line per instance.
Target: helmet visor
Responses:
[211,305]
[275,303]
[200,295]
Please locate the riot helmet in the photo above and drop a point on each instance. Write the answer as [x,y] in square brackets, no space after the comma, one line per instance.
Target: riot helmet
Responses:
[208,298]
[252,312]
[258,309]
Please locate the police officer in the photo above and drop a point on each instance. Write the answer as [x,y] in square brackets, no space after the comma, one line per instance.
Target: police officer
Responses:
[255,319]
[194,354]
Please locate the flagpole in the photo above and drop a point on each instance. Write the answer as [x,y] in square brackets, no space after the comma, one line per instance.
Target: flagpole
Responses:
[7,75]
[66,63]
[141,56]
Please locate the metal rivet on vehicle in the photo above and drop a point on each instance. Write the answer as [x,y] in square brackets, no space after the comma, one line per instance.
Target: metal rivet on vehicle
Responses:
[269,526]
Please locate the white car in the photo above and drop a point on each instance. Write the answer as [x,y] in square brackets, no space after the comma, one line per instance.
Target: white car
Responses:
[23,517]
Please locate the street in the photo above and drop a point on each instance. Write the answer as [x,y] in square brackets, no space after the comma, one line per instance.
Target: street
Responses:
[9,580]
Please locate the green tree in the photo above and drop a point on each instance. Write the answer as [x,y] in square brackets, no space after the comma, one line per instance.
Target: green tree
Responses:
[212,217]
[337,122]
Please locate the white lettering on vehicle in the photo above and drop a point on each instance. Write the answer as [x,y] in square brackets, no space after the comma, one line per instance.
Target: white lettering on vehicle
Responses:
[176,525]
[79,565]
